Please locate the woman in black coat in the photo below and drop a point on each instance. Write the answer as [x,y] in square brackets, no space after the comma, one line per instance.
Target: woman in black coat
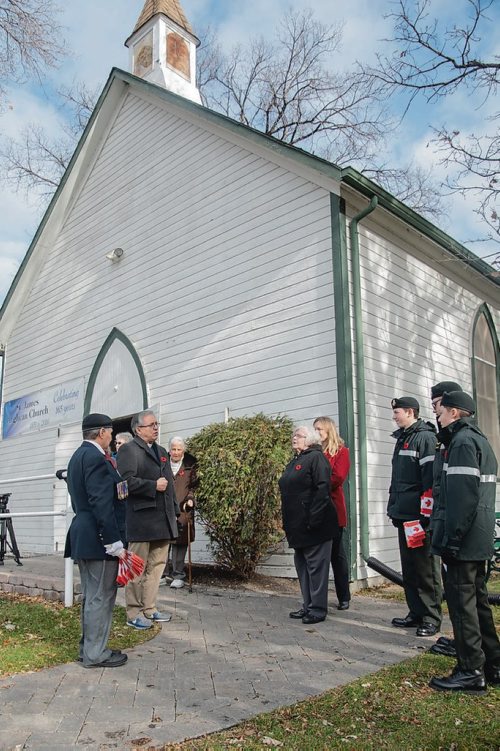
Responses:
[309,519]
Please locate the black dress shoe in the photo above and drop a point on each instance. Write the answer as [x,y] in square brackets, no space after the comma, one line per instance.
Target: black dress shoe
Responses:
[446,640]
[343,605]
[448,650]
[113,652]
[407,622]
[313,618]
[297,613]
[427,629]
[492,674]
[115,661]
[468,681]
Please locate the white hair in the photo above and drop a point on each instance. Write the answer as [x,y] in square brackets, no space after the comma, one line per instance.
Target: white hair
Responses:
[177,439]
[311,435]
[126,437]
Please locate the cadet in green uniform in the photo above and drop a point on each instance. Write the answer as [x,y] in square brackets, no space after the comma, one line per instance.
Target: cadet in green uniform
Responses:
[411,481]
[463,528]
[444,645]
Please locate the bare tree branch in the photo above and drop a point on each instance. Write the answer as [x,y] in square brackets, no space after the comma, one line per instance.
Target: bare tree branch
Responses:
[29,39]
[435,61]
[281,87]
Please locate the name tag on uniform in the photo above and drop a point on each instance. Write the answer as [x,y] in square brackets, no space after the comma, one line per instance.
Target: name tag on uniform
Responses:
[122,490]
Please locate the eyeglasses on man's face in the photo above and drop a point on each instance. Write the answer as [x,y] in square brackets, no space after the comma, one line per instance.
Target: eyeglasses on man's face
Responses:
[150,425]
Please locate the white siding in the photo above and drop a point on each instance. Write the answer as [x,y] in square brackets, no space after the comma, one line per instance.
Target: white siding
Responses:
[225,288]
[417,326]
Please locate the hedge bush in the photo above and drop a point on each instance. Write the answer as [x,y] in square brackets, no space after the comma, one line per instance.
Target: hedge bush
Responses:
[238,500]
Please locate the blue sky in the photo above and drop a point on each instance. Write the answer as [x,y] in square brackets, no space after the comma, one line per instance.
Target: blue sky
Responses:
[95,33]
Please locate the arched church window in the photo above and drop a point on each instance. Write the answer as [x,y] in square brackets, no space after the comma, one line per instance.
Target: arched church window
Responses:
[486,373]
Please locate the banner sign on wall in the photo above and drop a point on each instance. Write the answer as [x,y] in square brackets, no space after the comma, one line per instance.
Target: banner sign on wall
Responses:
[43,409]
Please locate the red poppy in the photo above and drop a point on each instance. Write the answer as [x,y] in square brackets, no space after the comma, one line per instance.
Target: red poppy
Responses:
[181,473]
[405,445]
[163,458]
[298,466]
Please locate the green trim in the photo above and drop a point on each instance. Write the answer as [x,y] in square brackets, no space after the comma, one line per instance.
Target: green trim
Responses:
[387,201]
[114,334]
[484,310]
[359,358]
[343,355]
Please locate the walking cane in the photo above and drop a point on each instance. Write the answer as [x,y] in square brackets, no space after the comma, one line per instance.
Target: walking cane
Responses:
[190,572]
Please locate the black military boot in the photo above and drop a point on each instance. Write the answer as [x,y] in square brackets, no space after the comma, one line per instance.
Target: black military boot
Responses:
[492,674]
[467,681]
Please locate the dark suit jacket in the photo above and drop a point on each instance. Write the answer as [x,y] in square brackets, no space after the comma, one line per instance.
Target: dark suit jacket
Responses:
[100,516]
[151,515]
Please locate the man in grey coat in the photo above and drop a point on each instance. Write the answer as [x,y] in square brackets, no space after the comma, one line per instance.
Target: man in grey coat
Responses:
[151,516]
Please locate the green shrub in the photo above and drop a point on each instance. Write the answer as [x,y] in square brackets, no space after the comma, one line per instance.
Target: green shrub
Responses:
[238,500]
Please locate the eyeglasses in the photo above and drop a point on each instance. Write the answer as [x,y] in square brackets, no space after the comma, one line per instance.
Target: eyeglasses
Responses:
[436,402]
[299,435]
[151,425]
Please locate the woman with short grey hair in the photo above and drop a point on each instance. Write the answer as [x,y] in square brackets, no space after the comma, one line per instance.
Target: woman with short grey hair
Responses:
[308,521]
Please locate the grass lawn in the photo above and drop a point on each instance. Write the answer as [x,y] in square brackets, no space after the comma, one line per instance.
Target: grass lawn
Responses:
[36,634]
[391,710]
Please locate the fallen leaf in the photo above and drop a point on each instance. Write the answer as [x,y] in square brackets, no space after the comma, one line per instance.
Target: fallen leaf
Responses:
[267,741]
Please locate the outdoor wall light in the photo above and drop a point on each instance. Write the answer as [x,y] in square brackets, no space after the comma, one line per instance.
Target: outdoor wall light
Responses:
[115,254]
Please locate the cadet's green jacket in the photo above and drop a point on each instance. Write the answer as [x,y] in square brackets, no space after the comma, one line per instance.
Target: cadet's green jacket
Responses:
[463,520]
[411,469]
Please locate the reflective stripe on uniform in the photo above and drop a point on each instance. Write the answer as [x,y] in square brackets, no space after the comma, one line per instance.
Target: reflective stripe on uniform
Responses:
[407,452]
[426,459]
[462,471]
[488,478]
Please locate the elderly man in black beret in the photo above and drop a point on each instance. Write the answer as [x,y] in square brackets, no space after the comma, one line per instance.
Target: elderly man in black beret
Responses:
[411,485]
[463,531]
[95,538]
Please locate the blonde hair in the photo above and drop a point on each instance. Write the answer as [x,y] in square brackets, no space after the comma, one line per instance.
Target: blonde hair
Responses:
[333,442]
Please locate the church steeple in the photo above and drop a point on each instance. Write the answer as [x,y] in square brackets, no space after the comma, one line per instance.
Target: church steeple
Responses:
[163,48]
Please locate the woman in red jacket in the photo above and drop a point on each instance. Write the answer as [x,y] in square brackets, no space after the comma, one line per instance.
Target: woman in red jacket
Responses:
[338,457]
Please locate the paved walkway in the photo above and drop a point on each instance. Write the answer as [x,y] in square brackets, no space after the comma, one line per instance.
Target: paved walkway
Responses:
[227,655]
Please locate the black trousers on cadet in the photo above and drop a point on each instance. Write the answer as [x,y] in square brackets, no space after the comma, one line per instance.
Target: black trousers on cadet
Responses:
[476,639]
[340,567]
[421,579]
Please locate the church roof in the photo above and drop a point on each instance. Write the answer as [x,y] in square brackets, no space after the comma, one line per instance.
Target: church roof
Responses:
[170,8]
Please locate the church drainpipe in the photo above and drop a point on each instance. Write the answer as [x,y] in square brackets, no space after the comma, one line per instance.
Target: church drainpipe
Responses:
[360,378]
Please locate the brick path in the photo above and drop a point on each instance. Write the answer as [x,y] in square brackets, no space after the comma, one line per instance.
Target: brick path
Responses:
[227,655]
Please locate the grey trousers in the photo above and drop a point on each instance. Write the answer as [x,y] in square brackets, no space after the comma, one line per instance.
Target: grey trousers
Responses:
[98,581]
[177,558]
[313,568]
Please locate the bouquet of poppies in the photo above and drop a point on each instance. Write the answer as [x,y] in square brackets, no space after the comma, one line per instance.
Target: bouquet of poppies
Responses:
[129,567]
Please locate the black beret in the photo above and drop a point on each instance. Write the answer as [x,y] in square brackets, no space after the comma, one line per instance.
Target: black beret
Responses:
[406,402]
[442,386]
[95,420]
[460,400]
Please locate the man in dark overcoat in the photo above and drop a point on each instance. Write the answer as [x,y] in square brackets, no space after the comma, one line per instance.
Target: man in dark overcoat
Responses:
[152,512]
[95,538]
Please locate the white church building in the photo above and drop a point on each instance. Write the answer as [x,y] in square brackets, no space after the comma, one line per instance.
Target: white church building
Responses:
[194,265]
